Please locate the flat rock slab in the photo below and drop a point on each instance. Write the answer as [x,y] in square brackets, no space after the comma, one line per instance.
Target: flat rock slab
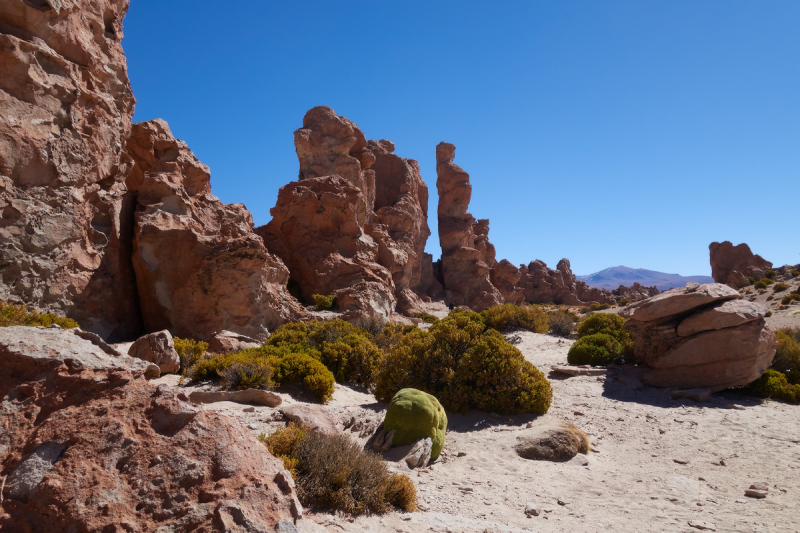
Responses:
[249,396]
[32,350]
[679,301]
[726,315]
[570,370]
[316,417]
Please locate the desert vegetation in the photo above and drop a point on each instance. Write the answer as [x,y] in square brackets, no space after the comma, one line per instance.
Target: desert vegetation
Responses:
[19,315]
[781,381]
[601,341]
[324,302]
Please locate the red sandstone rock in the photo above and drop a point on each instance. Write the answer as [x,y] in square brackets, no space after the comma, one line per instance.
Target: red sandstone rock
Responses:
[159,349]
[90,447]
[200,268]
[505,277]
[67,107]
[635,292]
[228,342]
[700,336]
[734,264]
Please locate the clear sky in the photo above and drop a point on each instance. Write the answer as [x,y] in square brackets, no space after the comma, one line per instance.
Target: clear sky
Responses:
[608,132]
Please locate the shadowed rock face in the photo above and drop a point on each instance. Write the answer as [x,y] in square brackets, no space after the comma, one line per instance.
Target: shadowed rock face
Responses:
[89,445]
[67,105]
[200,268]
[700,336]
[732,265]
[354,224]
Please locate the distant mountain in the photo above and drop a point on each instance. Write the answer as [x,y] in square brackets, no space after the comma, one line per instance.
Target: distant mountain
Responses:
[612,278]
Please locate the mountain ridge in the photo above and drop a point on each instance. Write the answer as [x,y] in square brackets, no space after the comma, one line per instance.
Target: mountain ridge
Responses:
[612,277]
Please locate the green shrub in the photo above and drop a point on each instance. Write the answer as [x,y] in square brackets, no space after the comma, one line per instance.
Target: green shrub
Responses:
[346,350]
[598,349]
[787,353]
[284,443]
[770,274]
[789,298]
[334,472]
[427,317]
[599,307]
[190,352]
[624,301]
[19,315]
[414,415]
[272,365]
[507,317]
[768,314]
[767,281]
[608,323]
[562,323]
[465,366]
[795,273]
[324,302]
[760,284]
[774,384]
[780,287]
[392,335]
[752,280]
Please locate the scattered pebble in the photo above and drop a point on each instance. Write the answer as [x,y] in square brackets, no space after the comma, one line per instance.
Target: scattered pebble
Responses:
[681,461]
[531,510]
[249,409]
[704,526]
[757,490]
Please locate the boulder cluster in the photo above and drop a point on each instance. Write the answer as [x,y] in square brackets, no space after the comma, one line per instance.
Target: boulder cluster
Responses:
[732,265]
[700,336]
[114,224]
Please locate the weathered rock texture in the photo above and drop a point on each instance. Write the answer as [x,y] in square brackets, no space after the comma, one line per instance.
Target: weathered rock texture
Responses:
[355,223]
[732,265]
[467,255]
[635,292]
[700,336]
[200,268]
[89,445]
[470,273]
[66,112]
[552,439]
[157,348]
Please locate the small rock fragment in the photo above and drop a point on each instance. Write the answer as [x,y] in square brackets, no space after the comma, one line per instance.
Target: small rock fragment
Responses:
[681,461]
[703,526]
[531,510]
[757,490]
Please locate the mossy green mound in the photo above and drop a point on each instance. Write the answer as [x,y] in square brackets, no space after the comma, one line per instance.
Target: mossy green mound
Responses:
[415,415]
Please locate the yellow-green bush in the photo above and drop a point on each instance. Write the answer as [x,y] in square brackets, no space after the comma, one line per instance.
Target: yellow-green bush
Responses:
[768,281]
[19,315]
[278,365]
[561,323]
[795,273]
[334,472]
[466,366]
[247,375]
[789,298]
[598,349]
[780,287]
[770,274]
[427,317]
[599,307]
[323,302]
[507,317]
[346,350]
[608,323]
[190,352]
[787,353]
[624,301]
[776,385]
[760,284]
[391,335]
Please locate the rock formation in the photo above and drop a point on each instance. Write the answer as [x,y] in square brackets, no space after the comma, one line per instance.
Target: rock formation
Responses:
[355,223]
[200,268]
[89,445]
[732,265]
[700,336]
[467,255]
[66,112]
[635,292]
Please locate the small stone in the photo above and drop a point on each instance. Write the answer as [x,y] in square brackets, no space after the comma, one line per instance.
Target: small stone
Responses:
[704,526]
[681,461]
[528,425]
[249,410]
[461,454]
[531,510]
[577,413]
[662,431]
[757,490]
[562,502]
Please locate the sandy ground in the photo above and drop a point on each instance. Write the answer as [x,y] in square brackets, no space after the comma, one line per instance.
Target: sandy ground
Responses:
[629,482]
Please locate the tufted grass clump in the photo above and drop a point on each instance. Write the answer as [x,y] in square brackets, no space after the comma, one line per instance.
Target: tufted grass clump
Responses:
[779,287]
[770,274]
[789,298]
[264,367]
[324,302]
[781,381]
[334,472]
[795,273]
[190,351]
[427,317]
[760,284]
[787,353]
[598,349]
[507,317]
[466,366]
[19,315]
[346,350]
[599,307]
[623,302]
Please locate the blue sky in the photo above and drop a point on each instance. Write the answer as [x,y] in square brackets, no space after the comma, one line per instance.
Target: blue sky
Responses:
[609,132]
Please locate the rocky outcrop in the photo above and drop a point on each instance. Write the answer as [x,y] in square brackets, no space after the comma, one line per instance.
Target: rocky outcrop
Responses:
[732,265]
[354,224]
[90,446]
[467,255]
[700,336]
[157,348]
[229,342]
[540,284]
[66,112]
[635,292]
[199,266]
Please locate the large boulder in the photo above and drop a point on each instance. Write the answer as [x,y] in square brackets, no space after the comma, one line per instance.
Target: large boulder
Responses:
[159,349]
[66,103]
[732,265]
[552,439]
[200,268]
[700,336]
[355,223]
[89,445]
[415,415]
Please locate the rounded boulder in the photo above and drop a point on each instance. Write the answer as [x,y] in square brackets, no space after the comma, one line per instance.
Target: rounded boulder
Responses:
[415,415]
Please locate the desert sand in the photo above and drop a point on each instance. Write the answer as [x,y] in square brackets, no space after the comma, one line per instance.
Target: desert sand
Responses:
[656,465]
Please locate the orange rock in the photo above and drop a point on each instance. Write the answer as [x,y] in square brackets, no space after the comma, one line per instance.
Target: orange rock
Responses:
[734,264]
